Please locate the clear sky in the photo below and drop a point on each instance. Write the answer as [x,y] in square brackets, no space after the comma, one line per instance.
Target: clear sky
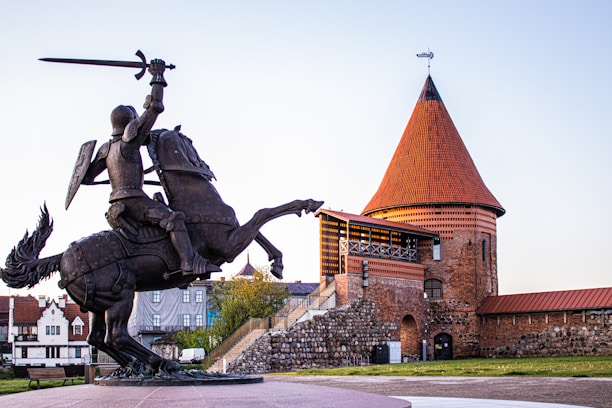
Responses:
[288,99]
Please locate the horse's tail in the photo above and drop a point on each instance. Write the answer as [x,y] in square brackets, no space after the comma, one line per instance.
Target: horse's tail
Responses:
[23,268]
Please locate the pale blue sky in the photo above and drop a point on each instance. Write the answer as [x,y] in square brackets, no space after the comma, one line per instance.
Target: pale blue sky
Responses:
[288,99]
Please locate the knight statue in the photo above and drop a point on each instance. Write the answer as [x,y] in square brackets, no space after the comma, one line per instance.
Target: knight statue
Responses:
[131,208]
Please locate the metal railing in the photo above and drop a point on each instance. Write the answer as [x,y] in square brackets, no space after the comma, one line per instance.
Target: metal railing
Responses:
[356,360]
[166,329]
[286,319]
[240,333]
[358,248]
[27,337]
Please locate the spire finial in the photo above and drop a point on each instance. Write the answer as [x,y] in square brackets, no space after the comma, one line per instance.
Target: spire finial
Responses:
[429,55]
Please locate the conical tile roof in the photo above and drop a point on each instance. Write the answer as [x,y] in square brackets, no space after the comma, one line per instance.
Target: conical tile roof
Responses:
[431,165]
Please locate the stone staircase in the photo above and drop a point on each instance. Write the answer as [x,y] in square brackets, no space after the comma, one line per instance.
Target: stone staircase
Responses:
[317,300]
[237,350]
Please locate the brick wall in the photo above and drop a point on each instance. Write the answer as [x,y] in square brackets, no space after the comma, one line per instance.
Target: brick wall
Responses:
[467,277]
[343,336]
[546,334]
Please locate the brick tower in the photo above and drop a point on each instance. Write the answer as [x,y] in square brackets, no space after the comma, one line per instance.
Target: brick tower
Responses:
[432,183]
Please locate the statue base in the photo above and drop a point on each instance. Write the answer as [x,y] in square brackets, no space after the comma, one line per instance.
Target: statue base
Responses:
[189,377]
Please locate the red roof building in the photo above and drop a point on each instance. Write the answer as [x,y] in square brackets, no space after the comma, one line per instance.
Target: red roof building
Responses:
[49,331]
[431,165]
[565,300]
[433,203]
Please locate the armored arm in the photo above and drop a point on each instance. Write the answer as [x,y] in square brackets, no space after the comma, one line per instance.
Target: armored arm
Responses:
[141,127]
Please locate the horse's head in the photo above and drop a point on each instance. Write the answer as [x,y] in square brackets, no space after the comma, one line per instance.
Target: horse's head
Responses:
[170,150]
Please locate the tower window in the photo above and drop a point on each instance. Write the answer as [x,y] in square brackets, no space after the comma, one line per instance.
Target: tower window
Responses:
[484,251]
[437,253]
[433,288]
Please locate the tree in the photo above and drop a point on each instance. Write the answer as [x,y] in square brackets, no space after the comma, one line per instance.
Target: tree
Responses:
[202,337]
[241,298]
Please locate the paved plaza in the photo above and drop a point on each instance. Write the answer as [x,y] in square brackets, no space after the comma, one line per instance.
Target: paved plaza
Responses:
[336,392]
[425,392]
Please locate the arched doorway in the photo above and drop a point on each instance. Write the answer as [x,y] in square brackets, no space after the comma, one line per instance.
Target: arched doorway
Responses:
[443,347]
[409,337]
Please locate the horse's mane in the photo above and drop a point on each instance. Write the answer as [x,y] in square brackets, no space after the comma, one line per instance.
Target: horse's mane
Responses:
[184,159]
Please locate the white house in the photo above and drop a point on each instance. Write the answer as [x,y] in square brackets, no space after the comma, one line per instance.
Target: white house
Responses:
[48,332]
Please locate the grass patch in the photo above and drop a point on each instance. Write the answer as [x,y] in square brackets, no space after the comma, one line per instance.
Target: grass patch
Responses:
[579,366]
[11,386]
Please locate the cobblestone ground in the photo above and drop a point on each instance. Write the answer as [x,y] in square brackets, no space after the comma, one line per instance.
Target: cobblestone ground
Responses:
[591,392]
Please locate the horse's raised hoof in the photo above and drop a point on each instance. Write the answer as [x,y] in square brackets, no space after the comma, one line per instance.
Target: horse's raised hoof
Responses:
[312,205]
[277,270]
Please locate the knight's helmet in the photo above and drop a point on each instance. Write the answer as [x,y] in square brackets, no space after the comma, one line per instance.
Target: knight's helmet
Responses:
[120,117]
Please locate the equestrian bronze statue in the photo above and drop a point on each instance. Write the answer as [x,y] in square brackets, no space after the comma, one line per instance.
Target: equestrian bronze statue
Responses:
[155,243]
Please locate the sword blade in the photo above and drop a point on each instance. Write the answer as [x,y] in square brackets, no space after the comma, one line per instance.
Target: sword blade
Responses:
[108,63]
[127,64]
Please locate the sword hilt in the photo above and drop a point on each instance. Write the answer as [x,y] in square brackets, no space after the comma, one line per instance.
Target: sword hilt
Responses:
[145,65]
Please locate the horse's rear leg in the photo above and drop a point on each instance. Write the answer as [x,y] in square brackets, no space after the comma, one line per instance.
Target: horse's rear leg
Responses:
[117,335]
[294,207]
[96,339]
[274,255]
[242,236]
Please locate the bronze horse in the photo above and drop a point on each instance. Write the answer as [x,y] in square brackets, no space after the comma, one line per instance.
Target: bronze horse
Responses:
[102,272]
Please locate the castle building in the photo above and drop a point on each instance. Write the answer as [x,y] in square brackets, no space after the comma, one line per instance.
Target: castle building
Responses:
[425,249]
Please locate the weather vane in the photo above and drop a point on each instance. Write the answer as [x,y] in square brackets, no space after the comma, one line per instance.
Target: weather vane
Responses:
[429,55]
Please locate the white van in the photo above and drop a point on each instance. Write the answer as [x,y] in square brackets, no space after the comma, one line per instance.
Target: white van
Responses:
[191,355]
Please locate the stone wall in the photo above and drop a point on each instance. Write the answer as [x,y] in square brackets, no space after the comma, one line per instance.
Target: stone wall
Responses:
[343,336]
[456,319]
[395,297]
[546,334]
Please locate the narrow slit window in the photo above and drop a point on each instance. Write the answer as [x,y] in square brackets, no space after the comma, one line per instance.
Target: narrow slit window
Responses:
[484,251]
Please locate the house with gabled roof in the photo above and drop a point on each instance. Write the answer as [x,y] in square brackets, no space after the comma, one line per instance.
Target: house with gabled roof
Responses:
[48,332]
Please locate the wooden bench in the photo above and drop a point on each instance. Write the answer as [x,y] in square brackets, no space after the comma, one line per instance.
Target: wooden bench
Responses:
[47,373]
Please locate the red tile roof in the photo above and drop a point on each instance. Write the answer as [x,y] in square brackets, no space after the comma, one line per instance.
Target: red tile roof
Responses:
[26,310]
[71,311]
[4,304]
[580,299]
[431,165]
[369,221]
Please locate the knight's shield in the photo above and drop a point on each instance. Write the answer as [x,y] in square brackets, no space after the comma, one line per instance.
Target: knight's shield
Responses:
[80,169]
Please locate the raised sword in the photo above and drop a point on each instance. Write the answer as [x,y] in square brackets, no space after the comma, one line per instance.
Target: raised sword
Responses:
[142,64]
